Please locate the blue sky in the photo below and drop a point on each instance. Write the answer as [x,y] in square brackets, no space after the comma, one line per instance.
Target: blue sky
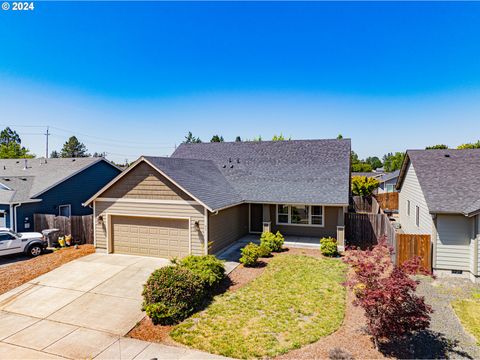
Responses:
[133,78]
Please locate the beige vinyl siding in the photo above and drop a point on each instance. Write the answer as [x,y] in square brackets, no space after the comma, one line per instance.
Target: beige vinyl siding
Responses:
[194,212]
[227,226]
[332,217]
[453,242]
[412,191]
[144,182]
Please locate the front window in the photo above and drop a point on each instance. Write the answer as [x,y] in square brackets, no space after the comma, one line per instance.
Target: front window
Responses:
[282,214]
[300,215]
[317,215]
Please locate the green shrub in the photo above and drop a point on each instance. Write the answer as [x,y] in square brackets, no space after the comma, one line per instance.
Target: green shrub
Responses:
[264,251]
[171,294]
[273,241]
[210,269]
[328,246]
[250,254]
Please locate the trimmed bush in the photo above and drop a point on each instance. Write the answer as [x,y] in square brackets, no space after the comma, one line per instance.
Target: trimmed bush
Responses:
[210,269]
[328,246]
[264,251]
[273,241]
[171,294]
[250,254]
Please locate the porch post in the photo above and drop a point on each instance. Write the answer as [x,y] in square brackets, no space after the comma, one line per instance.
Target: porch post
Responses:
[267,223]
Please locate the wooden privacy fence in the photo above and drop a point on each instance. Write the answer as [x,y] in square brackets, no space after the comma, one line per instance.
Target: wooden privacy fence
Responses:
[80,227]
[364,230]
[388,201]
[411,245]
[362,204]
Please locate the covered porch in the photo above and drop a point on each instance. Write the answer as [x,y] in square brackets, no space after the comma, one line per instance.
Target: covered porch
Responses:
[302,225]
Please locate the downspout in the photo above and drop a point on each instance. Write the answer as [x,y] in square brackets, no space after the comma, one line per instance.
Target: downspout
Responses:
[11,216]
[15,216]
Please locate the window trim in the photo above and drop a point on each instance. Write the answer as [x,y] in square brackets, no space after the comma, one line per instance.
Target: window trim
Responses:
[69,209]
[289,223]
[417,215]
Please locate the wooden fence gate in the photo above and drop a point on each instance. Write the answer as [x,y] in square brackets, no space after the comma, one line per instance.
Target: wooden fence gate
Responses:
[80,227]
[411,245]
[364,230]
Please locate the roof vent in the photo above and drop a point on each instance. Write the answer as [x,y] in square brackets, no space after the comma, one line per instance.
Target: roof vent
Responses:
[6,179]
[224,166]
[4,167]
[73,159]
[17,162]
[447,155]
[229,159]
[231,166]
[238,160]
[24,179]
[25,164]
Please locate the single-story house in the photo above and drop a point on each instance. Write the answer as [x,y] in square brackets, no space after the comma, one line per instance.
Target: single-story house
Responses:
[49,186]
[208,195]
[439,196]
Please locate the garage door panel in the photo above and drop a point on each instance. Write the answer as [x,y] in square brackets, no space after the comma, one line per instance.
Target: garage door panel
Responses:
[150,236]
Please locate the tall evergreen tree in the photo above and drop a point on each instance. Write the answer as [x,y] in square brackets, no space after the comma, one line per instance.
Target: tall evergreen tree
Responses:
[73,149]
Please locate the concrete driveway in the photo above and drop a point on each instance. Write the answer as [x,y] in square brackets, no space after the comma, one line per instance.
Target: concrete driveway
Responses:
[82,310]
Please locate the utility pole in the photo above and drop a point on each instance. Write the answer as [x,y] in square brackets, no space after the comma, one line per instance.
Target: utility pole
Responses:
[47,134]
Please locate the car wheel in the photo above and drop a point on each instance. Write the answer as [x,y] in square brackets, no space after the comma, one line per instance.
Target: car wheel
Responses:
[34,250]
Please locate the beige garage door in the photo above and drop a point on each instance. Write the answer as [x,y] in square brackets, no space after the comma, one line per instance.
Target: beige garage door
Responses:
[150,236]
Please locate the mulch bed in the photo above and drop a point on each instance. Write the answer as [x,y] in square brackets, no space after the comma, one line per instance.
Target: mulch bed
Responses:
[22,272]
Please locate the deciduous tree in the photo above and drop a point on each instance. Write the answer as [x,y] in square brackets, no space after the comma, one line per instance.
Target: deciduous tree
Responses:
[386,292]
[363,185]
[392,162]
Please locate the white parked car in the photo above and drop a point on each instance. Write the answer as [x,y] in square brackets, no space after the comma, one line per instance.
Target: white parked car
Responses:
[30,243]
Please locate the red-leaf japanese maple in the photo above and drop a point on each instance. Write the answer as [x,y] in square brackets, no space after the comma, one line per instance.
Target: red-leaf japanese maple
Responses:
[387,292]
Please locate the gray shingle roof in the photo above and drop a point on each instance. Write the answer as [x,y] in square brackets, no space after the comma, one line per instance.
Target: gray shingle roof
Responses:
[450,179]
[294,171]
[201,178]
[38,176]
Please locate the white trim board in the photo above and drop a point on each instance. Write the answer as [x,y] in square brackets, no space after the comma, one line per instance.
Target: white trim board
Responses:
[152,201]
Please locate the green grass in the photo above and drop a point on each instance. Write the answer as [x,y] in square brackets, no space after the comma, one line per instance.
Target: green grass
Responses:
[468,311]
[296,301]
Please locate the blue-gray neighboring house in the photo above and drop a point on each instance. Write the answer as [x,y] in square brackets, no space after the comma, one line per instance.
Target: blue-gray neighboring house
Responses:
[49,186]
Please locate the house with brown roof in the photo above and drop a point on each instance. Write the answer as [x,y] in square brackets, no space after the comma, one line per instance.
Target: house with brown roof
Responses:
[208,195]
[439,196]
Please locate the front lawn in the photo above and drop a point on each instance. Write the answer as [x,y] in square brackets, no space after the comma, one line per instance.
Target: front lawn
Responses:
[296,301]
[468,311]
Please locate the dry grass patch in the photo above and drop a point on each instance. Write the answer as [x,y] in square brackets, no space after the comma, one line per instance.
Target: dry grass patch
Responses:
[21,272]
[468,311]
[296,301]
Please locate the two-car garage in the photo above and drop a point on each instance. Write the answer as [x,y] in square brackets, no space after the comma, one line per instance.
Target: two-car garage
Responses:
[149,236]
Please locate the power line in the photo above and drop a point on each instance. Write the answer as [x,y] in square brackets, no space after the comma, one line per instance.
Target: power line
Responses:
[122,144]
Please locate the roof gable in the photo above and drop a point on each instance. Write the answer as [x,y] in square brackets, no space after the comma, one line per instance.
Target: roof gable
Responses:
[450,179]
[30,178]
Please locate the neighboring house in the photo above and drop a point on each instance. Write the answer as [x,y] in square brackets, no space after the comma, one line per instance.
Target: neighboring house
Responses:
[439,196]
[207,196]
[387,180]
[49,186]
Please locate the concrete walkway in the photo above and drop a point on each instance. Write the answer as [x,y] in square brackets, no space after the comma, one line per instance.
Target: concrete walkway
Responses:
[232,254]
[82,310]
